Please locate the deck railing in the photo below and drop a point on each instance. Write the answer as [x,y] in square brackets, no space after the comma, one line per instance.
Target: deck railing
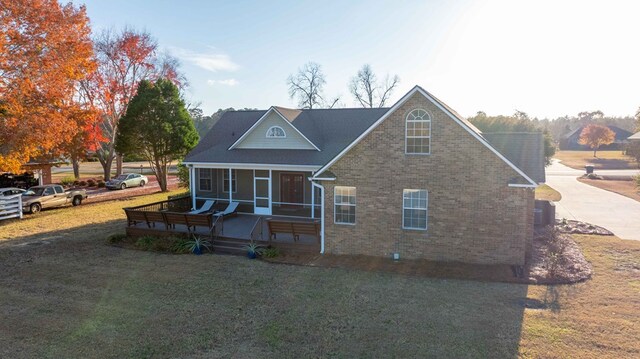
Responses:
[180,204]
[256,231]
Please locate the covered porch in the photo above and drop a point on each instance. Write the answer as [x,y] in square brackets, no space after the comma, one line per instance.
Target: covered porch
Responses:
[272,192]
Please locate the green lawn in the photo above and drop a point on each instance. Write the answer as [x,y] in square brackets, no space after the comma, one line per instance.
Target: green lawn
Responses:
[75,297]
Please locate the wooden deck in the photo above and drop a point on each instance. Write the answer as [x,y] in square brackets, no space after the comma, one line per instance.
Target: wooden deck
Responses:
[236,232]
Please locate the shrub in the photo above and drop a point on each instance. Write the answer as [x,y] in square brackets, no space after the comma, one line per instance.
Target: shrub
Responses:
[101,184]
[76,183]
[637,178]
[82,183]
[271,252]
[67,181]
[145,242]
[179,245]
[91,182]
[556,245]
[117,238]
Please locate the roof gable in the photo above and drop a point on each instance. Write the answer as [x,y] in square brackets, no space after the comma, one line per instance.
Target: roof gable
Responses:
[450,113]
[256,136]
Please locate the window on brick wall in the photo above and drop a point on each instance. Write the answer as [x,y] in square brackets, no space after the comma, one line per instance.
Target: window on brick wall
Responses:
[418,132]
[414,208]
[204,179]
[344,200]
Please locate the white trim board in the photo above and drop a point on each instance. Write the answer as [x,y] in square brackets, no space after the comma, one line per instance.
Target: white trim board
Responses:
[401,102]
[266,114]
[254,166]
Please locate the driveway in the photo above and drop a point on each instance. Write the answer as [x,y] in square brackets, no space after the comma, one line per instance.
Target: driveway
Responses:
[619,214]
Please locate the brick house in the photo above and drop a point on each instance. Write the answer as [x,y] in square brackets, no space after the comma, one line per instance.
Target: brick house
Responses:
[415,180]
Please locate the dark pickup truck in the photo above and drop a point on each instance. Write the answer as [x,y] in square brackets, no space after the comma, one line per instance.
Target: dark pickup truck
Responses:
[50,196]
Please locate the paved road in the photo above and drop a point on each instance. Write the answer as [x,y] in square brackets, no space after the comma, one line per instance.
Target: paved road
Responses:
[619,214]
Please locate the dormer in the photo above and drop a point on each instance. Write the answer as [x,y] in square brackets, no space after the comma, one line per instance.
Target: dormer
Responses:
[275,130]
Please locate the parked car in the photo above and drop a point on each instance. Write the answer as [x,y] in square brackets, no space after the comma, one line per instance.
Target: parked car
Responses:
[127,180]
[50,196]
[10,191]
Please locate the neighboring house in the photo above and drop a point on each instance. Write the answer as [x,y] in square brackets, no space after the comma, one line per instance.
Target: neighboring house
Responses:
[634,137]
[416,179]
[570,141]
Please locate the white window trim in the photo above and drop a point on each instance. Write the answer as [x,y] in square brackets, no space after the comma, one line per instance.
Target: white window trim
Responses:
[344,204]
[406,131]
[426,209]
[234,181]
[210,179]
[269,130]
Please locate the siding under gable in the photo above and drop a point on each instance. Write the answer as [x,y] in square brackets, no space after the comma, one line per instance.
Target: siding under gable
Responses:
[257,139]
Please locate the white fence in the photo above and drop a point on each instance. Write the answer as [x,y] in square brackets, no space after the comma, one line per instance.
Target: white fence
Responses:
[11,206]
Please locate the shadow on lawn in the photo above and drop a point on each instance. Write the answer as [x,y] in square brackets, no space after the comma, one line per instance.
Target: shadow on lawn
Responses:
[610,163]
[290,311]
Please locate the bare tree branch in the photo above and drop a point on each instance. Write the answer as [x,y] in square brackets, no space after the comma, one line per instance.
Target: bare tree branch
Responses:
[368,91]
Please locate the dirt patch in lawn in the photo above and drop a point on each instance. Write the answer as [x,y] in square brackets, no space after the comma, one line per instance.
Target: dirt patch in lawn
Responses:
[605,160]
[626,187]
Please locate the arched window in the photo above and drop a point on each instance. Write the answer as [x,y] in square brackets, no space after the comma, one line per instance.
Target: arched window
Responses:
[418,132]
[276,132]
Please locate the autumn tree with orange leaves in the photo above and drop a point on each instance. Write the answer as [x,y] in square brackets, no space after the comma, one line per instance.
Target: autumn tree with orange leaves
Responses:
[595,136]
[45,49]
[124,59]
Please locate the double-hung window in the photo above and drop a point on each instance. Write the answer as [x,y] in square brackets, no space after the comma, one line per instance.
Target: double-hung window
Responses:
[225,181]
[204,179]
[418,132]
[414,209]
[344,200]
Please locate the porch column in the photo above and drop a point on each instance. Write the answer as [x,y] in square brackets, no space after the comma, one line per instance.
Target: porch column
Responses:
[192,185]
[313,199]
[230,185]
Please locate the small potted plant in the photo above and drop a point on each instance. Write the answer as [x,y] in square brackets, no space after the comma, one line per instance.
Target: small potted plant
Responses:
[196,245]
[253,250]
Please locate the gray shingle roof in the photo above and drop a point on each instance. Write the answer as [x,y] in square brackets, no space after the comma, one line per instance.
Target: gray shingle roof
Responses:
[524,149]
[330,129]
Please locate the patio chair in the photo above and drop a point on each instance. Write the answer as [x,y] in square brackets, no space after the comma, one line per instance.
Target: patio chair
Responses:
[206,207]
[231,210]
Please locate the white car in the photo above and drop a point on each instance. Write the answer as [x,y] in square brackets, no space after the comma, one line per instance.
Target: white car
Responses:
[9,191]
[127,180]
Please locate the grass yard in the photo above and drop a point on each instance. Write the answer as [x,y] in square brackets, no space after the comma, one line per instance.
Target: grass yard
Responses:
[75,297]
[605,160]
[546,193]
[625,188]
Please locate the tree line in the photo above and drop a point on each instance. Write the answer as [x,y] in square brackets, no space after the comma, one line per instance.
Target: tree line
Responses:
[65,93]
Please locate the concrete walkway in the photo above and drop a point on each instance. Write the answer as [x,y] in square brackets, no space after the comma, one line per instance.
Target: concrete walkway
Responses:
[619,214]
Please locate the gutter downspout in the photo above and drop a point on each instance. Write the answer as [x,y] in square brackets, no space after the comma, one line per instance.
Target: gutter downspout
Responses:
[319,186]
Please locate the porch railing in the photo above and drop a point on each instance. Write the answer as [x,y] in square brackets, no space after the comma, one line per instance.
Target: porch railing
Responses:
[180,204]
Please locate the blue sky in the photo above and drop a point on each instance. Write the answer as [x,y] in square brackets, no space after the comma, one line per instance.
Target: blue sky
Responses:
[547,58]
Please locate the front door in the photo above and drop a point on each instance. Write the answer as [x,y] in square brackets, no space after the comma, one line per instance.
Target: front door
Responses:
[291,188]
[261,202]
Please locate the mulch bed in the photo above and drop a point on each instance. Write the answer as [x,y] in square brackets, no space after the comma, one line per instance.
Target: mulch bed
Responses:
[577,227]
[556,259]
[568,267]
